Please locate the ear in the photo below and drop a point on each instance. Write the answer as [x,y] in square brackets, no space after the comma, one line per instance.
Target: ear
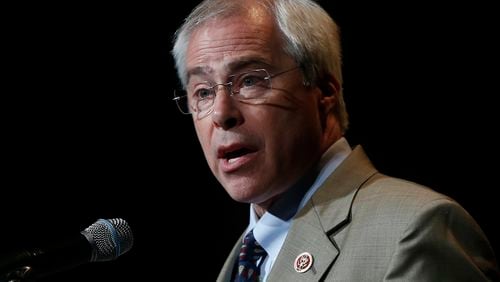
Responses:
[329,88]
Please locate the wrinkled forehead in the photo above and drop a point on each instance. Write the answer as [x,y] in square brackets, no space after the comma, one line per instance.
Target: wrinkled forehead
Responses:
[233,44]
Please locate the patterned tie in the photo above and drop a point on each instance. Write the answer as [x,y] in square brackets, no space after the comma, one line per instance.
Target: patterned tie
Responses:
[250,253]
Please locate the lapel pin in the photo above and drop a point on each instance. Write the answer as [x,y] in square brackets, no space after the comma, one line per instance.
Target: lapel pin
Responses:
[303,262]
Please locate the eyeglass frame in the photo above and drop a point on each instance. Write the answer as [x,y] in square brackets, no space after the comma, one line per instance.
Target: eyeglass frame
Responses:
[229,85]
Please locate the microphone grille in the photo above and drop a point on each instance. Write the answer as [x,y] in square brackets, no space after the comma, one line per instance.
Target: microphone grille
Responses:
[109,238]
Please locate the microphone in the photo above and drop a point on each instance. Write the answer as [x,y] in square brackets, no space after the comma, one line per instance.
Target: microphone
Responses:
[104,240]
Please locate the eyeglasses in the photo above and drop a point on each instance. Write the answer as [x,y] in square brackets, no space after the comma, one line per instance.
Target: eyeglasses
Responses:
[248,86]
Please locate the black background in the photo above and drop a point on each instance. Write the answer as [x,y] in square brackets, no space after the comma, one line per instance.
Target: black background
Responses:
[89,129]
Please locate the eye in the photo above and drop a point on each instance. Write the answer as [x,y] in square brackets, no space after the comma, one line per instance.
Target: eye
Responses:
[251,79]
[203,93]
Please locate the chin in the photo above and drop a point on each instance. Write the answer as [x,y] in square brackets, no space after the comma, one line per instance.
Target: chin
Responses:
[242,198]
[245,195]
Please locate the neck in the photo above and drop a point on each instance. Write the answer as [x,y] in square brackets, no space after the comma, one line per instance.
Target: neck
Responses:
[285,205]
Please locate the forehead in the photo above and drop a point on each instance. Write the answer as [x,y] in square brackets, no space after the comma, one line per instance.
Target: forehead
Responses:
[227,44]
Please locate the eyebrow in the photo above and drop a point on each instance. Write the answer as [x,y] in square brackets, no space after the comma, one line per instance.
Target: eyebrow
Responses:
[232,66]
[198,71]
[246,63]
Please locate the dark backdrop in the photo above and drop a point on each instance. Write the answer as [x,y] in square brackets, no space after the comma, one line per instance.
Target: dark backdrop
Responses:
[89,129]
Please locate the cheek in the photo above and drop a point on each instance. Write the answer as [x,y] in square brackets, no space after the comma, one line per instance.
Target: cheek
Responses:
[289,131]
[202,132]
[285,110]
[299,131]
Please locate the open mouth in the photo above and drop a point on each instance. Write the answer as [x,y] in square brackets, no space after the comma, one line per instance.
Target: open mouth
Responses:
[236,156]
[237,153]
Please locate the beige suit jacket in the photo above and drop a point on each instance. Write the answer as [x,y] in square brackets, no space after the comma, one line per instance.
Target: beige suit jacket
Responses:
[364,226]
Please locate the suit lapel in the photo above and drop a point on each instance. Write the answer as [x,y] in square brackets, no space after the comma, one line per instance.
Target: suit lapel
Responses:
[227,270]
[327,211]
[305,235]
[333,200]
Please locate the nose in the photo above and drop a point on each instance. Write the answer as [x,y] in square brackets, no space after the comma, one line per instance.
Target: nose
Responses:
[226,113]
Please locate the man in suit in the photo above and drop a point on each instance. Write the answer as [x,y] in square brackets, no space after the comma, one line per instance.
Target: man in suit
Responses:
[262,80]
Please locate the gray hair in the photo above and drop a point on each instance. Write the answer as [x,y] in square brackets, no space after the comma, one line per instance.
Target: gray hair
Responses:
[310,36]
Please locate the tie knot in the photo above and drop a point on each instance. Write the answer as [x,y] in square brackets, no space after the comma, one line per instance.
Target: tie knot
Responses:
[251,251]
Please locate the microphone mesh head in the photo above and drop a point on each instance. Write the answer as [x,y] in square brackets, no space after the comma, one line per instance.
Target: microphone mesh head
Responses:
[109,238]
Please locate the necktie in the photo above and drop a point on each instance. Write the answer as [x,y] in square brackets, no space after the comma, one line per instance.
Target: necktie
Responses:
[251,251]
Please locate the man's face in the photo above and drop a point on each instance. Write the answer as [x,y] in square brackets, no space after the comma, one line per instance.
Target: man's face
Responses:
[255,150]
